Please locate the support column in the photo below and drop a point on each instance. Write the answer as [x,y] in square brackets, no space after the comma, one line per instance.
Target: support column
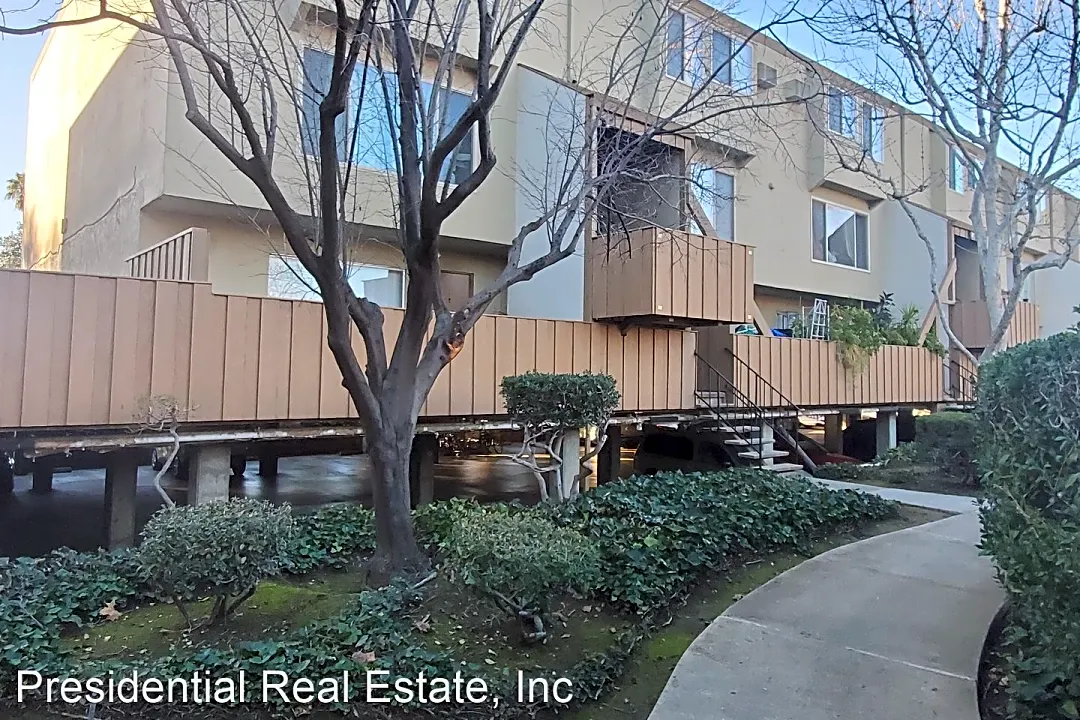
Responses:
[121,480]
[610,457]
[570,452]
[268,465]
[208,477]
[834,433]
[422,457]
[886,432]
[768,443]
[43,478]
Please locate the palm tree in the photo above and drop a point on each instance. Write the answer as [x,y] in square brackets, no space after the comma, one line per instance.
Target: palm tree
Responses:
[15,188]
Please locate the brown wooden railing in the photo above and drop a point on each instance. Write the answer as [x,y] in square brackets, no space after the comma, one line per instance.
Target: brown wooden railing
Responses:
[184,256]
[662,275]
[84,350]
[971,323]
[809,373]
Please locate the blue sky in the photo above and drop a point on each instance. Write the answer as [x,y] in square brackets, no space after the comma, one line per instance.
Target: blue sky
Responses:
[17,56]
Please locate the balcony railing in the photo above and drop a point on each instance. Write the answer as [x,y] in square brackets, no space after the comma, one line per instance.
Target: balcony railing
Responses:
[670,277]
[971,323]
[84,350]
[809,373]
[184,256]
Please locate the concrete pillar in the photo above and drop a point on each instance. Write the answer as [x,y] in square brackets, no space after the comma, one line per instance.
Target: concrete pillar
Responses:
[121,478]
[610,457]
[268,465]
[43,478]
[570,452]
[886,432]
[768,443]
[208,476]
[834,433]
[422,457]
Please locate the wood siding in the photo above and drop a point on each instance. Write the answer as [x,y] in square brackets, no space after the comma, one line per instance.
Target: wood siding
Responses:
[671,276]
[82,350]
[184,256]
[809,373]
[971,323]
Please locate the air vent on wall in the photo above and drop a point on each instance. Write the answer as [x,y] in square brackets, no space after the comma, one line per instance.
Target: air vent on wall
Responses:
[766,76]
[797,90]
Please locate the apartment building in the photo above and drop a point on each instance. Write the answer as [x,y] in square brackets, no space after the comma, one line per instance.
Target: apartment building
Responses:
[791,203]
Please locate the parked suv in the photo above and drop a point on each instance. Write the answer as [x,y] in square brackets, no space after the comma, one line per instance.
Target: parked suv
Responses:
[661,449]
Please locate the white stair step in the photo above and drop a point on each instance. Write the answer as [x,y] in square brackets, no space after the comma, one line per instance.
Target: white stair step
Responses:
[743,441]
[740,429]
[757,455]
[781,467]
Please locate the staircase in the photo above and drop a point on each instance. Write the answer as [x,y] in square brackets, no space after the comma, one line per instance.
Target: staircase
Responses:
[960,385]
[746,426]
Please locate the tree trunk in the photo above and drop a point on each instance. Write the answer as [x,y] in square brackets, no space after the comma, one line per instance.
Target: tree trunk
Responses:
[397,553]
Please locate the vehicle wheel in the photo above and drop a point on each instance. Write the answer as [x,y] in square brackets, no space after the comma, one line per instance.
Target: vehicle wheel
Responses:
[238,463]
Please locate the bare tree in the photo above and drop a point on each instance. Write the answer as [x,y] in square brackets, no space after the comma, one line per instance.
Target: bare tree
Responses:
[999,83]
[251,85]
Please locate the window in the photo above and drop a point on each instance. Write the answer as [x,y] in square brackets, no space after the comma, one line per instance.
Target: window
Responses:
[696,52]
[676,43]
[374,110]
[318,67]
[873,131]
[715,191]
[956,170]
[840,236]
[287,279]
[787,319]
[843,113]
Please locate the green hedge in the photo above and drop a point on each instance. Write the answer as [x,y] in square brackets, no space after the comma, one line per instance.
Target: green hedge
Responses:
[1029,453]
[560,400]
[947,440]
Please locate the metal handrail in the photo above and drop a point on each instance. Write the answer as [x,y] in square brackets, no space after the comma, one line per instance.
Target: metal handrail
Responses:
[963,375]
[762,383]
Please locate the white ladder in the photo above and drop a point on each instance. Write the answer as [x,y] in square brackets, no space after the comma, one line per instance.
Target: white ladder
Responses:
[819,320]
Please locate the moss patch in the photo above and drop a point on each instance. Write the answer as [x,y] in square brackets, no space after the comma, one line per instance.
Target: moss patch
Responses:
[154,630]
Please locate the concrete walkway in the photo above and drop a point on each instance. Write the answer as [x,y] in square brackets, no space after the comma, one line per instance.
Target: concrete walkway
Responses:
[889,628]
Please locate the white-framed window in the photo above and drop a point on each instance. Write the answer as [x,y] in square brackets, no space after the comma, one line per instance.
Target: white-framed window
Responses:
[374,109]
[840,235]
[288,280]
[786,319]
[957,171]
[873,131]
[843,112]
[715,191]
[697,51]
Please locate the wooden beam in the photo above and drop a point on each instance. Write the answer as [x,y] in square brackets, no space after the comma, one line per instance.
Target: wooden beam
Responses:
[931,313]
[759,317]
[701,217]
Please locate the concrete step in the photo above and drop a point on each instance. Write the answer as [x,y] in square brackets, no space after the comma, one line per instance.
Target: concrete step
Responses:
[781,467]
[752,442]
[740,429]
[758,455]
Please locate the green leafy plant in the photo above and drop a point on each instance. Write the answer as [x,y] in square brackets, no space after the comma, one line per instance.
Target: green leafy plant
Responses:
[947,440]
[520,561]
[1028,415]
[856,333]
[547,406]
[221,550]
[331,537]
[659,534]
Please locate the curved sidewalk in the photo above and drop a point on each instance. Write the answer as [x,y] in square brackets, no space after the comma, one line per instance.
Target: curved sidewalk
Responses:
[889,628]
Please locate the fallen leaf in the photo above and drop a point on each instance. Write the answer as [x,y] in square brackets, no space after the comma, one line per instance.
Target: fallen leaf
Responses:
[489,661]
[109,612]
[587,608]
[423,625]
[364,658]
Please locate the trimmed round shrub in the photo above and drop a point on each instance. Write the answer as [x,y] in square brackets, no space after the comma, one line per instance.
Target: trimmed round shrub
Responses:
[560,400]
[947,440]
[1029,454]
[521,560]
[221,550]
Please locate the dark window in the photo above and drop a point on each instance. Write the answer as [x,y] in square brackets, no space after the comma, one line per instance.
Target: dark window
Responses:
[318,67]
[672,446]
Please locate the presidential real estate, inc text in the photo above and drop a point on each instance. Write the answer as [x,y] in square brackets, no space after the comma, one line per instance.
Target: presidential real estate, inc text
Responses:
[275,686]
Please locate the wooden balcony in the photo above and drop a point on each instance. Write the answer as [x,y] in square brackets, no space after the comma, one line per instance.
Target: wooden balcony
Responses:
[971,322]
[85,351]
[809,373]
[668,277]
